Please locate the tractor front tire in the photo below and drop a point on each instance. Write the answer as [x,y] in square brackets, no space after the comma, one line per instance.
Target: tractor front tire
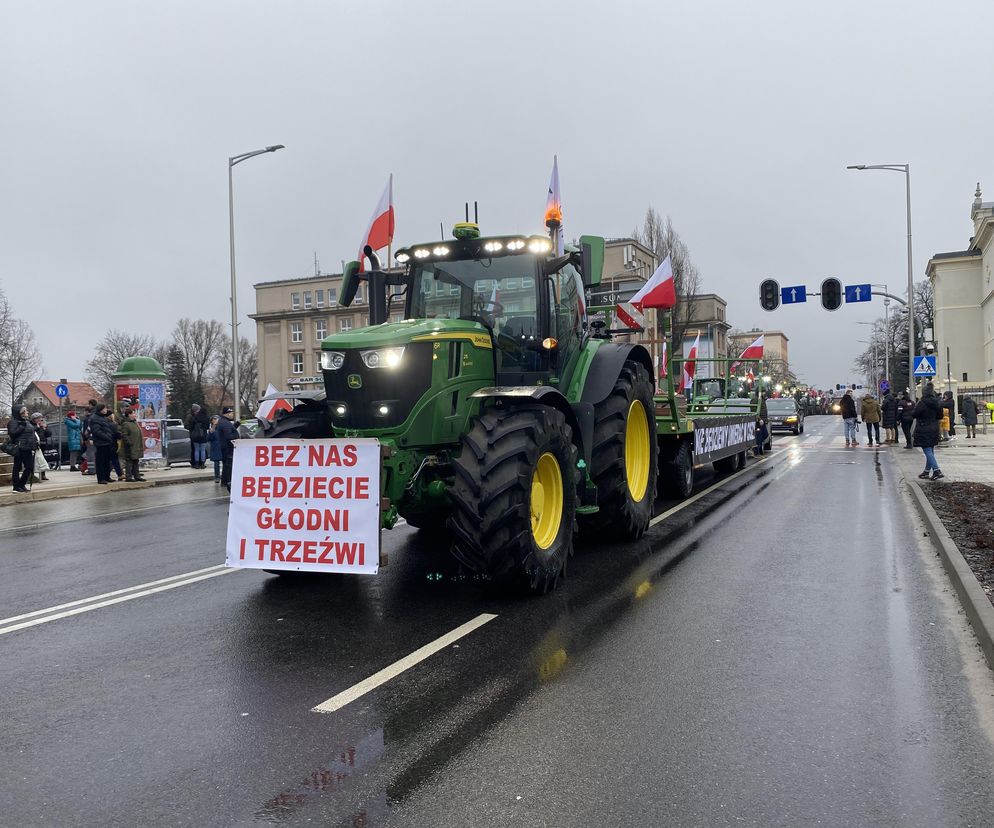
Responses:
[625,455]
[514,496]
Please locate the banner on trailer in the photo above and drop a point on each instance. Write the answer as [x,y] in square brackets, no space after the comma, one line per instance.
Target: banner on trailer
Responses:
[305,505]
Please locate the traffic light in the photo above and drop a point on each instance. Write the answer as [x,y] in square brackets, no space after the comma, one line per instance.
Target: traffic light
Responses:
[831,294]
[769,294]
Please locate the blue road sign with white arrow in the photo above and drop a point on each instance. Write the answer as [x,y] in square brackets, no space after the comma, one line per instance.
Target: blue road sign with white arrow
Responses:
[925,366]
[858,293]
[793,295]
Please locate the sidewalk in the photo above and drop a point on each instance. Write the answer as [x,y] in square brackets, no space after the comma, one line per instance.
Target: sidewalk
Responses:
[960,459]
[64,483]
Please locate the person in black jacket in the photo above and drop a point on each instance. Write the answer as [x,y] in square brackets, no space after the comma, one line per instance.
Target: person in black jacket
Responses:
[847,408]
[105,434]
[198,424]
[25,440]
[948,406]
[888,410]
[227,433]
[927,413]
[89,451]
[905,415]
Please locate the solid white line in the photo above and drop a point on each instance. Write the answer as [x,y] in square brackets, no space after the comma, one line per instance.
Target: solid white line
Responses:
[699,495]
[13,618]
[387,673]
[118,600]
[103,514]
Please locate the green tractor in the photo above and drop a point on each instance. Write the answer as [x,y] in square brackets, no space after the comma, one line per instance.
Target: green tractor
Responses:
[503,417]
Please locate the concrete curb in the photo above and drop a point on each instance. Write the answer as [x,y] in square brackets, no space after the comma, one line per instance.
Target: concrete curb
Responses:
[978,606]
[91,489]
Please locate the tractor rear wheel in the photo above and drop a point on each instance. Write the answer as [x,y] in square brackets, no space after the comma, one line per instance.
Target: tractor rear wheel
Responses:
[624,457]
[514,496]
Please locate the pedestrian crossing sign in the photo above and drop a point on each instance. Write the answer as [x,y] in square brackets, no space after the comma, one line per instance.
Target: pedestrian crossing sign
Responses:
[925,366]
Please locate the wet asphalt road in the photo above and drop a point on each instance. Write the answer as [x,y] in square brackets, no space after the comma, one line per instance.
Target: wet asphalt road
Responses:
[781,651]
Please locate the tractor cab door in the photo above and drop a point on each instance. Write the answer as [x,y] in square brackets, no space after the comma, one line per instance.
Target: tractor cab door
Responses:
[567,320]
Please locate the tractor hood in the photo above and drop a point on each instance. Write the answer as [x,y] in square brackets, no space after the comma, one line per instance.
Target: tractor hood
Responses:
[411,330]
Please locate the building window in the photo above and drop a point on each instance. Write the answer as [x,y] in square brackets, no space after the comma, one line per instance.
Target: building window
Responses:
[296,331]
[319,298]
[332,297]
[527,282]
[294,301]
[307,300]
[512,284]
[317,363]
[296,363]
[320,329]
[345,323]
[358,296]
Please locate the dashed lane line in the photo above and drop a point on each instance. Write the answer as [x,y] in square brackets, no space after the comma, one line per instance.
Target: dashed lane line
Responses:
[356,691]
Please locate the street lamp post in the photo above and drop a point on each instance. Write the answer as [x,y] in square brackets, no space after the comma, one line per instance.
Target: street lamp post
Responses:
[237,159]
[906,169]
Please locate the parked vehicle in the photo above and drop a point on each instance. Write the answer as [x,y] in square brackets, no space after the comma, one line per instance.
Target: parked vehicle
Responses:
[177,445]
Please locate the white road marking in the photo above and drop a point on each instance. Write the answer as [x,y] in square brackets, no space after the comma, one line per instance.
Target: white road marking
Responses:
[153,587]
[105,514]
[406,663]
[813,440]
[700,494]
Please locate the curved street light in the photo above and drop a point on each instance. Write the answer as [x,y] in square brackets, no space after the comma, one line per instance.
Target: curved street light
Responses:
[237,159]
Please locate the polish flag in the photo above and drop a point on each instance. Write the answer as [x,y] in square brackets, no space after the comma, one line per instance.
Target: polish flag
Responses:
[754,351]
[659,291]
[687,376]
[628,315]
[268,408]
[494,298]
[662,363]
[379,233]
[554,207]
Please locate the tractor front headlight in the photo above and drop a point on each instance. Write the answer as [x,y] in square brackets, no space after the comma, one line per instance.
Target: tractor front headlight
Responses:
[382,357]
[332,360]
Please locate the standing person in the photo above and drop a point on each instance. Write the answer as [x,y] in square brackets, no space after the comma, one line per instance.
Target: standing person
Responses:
[949,410]
[90,451]
[197,424]
[227,433]
[847,408]
[134,446]
[905,415]
[927,414]
[74,437]
[870,412]
[22,435]
[105,433]
[214,442]
[969,412]
[44,434]
[888,416]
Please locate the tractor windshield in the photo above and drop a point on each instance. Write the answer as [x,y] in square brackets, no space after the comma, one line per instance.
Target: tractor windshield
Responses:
[498,292]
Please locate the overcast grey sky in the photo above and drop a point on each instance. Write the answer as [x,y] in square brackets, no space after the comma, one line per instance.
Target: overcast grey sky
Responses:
[736,119]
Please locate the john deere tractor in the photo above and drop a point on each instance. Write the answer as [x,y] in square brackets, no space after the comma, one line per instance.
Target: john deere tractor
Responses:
[502,416]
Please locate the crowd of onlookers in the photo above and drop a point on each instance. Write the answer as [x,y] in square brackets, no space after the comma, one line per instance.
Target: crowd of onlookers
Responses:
[99,439]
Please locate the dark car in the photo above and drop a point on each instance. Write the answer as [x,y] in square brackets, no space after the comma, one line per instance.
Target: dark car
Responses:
[785,415]
[176,446]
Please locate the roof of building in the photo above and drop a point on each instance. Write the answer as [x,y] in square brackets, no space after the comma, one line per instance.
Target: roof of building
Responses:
[80,393]
[957,254]
[322,277]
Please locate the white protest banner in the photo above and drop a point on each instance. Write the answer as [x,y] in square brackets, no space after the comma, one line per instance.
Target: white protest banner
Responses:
[305,505]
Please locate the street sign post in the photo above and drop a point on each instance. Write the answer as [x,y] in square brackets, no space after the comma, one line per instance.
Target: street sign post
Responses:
[793,295]
[858,293]
[925,366]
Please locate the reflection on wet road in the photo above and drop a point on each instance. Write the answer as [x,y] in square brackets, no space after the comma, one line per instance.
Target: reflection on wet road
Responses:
[772,652]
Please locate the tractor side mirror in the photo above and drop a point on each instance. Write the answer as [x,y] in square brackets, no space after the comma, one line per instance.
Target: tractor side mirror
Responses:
[350,284]
[591,259]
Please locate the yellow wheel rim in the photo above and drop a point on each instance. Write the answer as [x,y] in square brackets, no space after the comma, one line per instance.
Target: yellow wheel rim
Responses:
[637,450]
[546,501]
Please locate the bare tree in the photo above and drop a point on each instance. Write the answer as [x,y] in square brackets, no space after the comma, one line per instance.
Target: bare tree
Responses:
[21,360]
[661,237]
[248,370]
[925,302]
[199,341]
[115,347]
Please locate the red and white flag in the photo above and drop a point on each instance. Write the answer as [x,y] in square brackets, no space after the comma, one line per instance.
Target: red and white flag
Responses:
[689,367]
[379,233]
[754,351]
[659,291]
[268,408]
[554,207]
[628,315]
[662,363]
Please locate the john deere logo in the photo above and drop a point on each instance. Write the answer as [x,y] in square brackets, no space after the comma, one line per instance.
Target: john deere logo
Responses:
[355,381]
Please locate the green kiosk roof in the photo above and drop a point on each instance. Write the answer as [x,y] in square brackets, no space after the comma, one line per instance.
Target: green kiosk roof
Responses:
[139,367]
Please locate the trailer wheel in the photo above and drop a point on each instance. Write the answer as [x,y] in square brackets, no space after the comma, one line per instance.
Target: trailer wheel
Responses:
[624,459]
[514,496]
[678,477]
